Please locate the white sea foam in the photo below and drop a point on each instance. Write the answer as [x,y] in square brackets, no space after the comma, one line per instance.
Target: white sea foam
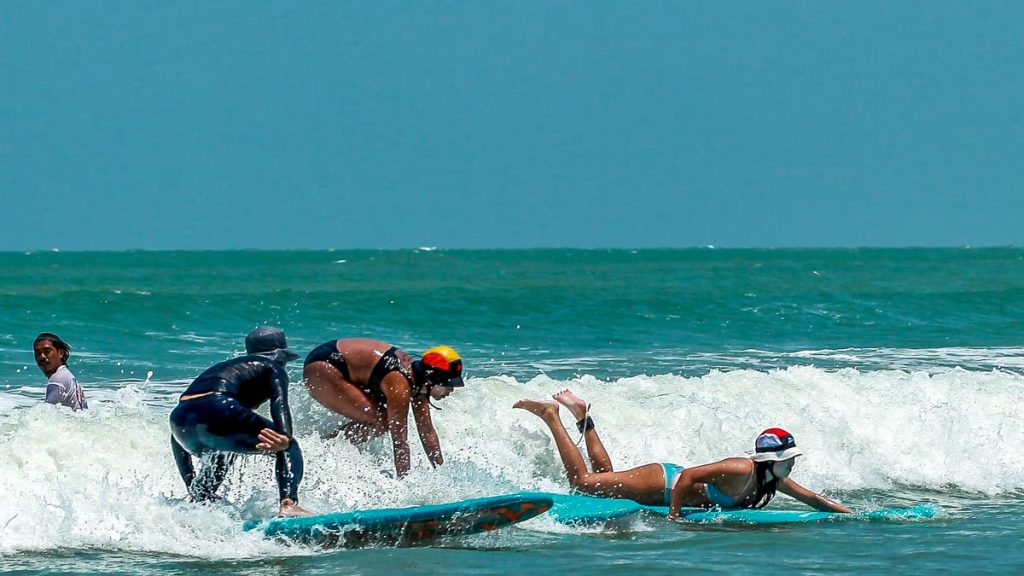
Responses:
[105,477]
[917,358]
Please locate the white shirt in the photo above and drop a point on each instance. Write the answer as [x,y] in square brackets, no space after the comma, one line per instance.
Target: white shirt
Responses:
[63,388]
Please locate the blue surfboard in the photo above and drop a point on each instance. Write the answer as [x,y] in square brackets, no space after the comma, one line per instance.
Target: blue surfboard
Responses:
[582,510]
[405,526]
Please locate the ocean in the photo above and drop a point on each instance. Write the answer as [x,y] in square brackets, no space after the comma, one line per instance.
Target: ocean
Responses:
[899,371]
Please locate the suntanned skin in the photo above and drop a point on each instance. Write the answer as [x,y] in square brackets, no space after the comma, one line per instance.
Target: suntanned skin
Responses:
[732,477]
[48,358]
[646,484]
[369,418]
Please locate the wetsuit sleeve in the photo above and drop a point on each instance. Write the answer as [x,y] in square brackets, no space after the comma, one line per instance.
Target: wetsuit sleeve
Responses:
[279,411]
[184,462]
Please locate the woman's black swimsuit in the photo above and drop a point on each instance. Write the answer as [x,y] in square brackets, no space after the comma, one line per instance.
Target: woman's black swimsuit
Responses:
[224,423]
[389,362]
[328,352]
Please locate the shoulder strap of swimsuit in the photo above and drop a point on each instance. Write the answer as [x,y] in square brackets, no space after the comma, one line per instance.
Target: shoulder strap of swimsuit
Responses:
[388,363]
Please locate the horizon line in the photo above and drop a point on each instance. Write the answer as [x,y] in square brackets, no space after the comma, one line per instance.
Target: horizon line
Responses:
[708,247]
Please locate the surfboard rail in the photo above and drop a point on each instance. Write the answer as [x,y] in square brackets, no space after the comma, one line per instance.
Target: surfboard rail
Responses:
[413,525]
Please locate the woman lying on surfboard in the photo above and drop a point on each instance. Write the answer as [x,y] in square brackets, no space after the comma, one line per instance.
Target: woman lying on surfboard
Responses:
[745,482]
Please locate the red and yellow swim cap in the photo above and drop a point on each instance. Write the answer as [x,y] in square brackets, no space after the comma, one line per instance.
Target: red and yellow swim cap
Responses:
[445,362]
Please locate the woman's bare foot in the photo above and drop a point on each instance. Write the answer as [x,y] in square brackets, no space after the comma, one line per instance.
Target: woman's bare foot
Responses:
[542,408]
[574,403]
[289,509]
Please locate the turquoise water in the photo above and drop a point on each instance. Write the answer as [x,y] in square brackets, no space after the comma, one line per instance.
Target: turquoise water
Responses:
[899,372]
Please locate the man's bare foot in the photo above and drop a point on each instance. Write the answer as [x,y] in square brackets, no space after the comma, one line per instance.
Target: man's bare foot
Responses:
[574,403]
[542,408]
[290,509]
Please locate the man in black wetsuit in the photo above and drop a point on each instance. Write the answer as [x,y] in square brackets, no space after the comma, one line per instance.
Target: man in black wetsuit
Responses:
[215,418]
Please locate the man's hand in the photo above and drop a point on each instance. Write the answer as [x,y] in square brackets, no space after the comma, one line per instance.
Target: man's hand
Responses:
[272,441]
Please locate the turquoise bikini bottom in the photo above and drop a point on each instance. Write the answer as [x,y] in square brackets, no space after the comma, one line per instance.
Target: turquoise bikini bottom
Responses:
[716,496]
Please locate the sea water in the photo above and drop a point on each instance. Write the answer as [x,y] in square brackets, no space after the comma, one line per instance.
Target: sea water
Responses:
[898,371]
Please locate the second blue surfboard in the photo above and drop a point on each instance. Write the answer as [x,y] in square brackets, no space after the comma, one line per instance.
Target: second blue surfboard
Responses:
[581,510]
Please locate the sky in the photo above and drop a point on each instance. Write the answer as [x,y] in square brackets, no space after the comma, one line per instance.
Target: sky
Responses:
[517,124]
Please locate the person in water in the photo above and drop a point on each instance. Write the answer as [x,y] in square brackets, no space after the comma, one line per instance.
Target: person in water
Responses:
[746,482]
[215,419]
[373,384]
[52,358]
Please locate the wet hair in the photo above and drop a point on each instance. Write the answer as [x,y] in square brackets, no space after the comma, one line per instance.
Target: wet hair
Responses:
[765,488]
[421,378]
[57,343]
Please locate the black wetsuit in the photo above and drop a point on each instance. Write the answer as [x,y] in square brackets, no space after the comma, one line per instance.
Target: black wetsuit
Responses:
[389,362]
[224,423]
